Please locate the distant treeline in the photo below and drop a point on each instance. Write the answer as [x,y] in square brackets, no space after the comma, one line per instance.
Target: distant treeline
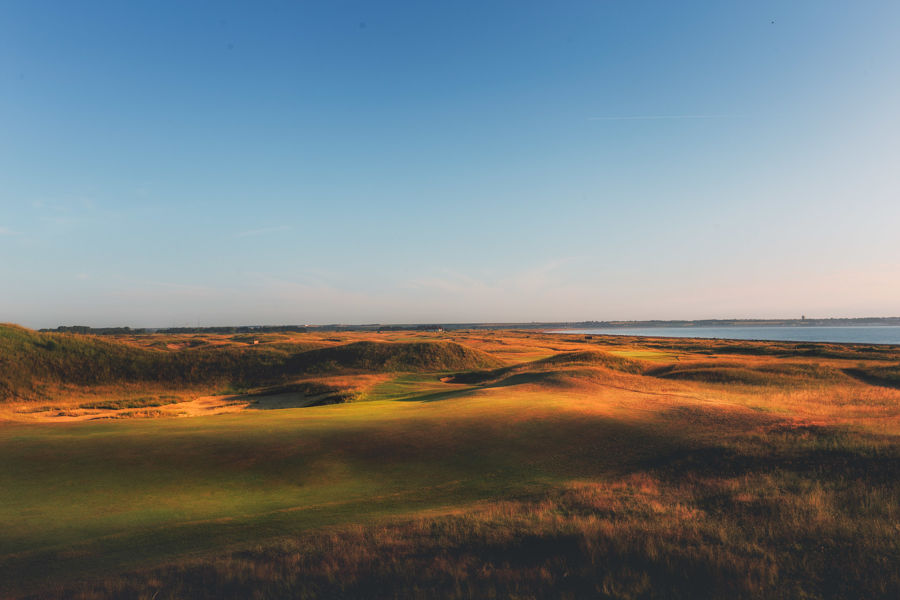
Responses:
[834,322]
[239,329]
[83,329]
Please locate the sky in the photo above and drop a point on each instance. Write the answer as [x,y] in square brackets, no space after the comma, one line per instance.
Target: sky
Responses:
[192,163]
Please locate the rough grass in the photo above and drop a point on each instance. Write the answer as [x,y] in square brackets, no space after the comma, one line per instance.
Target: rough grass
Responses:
[30,360]
[887,375]
[527,371]
[602,359]
[779,374]
[820,350]
[823,526]
[392,357]
[143,402]
[557,472]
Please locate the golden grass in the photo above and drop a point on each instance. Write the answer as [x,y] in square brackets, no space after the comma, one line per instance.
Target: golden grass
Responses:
[610,468]
[640,536]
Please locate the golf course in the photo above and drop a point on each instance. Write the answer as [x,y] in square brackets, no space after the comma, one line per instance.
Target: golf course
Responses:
[457,464]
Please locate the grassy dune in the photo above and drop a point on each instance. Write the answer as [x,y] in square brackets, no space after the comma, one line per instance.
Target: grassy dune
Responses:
[34,365]
[471,464]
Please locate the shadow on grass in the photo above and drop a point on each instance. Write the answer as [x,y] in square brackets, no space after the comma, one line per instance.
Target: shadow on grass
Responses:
[300,395]
[818,453]
[438,396]
[517,379]
[868,378]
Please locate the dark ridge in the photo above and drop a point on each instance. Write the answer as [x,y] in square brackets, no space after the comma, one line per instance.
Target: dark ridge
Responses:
[778,374]
[386,356]
[884,376]
[778,349]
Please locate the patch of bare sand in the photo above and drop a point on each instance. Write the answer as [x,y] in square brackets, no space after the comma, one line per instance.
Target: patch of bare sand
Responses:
[70,409]
[200,406]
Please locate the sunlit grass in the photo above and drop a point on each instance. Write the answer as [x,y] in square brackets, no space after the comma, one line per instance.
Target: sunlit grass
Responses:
[651,355]
[641,472]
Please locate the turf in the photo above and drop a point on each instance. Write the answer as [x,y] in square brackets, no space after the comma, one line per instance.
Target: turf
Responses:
[552,467]
[162,487]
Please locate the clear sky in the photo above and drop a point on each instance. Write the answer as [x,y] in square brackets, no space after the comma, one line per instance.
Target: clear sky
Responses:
[184,163]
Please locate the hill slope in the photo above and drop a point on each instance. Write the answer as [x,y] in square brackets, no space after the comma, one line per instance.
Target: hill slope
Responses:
[393,356]
[30,360]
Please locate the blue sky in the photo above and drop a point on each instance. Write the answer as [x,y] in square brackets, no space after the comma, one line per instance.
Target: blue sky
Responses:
[337,162]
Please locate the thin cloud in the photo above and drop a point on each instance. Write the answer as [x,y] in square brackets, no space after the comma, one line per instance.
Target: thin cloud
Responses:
[8,231]
[261,231]
[660,117]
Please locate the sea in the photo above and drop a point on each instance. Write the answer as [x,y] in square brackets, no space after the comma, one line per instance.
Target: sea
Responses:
[863,334]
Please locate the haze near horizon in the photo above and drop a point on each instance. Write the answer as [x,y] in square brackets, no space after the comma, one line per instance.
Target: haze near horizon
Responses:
[240,163]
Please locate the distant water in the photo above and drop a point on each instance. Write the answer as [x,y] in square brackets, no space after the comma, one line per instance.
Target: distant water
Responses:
[875,334]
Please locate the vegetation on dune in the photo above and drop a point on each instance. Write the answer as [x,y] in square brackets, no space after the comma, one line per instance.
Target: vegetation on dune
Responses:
[392,357]
[891,374]
[779,374]
[144,402]
[880,352]
[886,375]
[594,358]
[506,465]
[29,360]
[548,368]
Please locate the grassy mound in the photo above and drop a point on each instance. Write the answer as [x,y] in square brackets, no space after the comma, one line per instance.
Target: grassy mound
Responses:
[393,357]
[31,360]
[890,374]
[594,358]
[741,374]
[547,366]
[885,376]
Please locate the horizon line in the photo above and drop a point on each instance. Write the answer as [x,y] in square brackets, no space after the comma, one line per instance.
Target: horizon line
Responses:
[499,324]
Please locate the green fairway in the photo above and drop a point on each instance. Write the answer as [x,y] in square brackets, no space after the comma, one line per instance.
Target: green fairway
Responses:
[100,495]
